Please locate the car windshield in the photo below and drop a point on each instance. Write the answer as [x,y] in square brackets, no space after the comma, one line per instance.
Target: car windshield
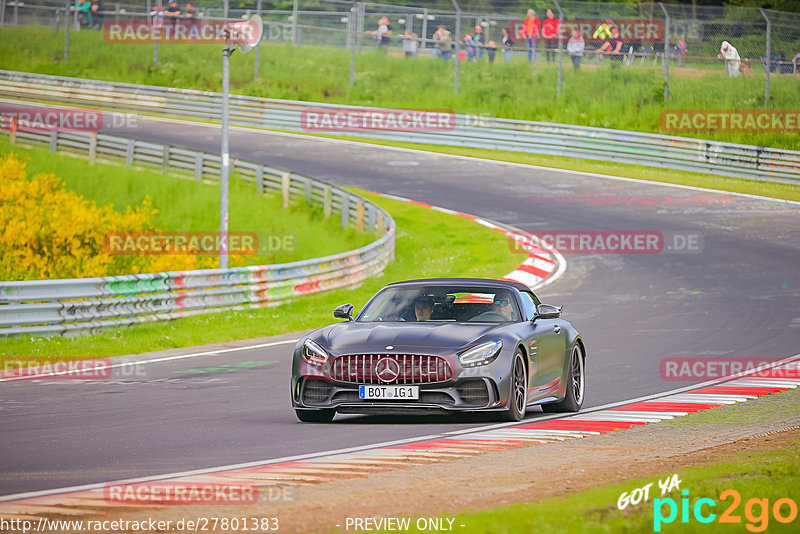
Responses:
[455,304]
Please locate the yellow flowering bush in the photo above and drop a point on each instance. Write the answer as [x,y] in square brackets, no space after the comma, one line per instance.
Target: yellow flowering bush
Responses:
[49,232]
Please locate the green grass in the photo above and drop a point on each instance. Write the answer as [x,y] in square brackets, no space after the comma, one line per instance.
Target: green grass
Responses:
[710,181]
[429,244]
[189,206]
[624,98]
[768,475]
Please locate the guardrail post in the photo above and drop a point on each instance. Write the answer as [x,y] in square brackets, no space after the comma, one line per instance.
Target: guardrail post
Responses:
[165,159]
[12,135]
[286,181]
[92,147]
[370,218]
[260,180]
[379,225]
[326,202]
[53,142]
[345,210]
[309,192]
[129,152]
[359,216]
[198,166]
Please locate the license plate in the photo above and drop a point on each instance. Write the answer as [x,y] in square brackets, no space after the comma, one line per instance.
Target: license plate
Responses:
[388,392]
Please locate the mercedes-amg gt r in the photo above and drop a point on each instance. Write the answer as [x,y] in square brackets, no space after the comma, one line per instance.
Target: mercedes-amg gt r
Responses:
[444,345]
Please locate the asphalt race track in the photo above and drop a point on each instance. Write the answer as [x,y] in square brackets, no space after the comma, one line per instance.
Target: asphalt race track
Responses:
[738,297]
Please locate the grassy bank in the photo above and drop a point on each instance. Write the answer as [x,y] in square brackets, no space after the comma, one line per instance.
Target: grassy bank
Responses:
[429,244]
[624,98]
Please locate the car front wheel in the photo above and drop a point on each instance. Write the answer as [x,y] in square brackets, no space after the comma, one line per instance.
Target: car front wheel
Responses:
[518,396]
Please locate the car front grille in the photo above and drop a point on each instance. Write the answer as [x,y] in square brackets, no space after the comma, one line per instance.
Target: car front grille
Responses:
[473,392]
[410,369]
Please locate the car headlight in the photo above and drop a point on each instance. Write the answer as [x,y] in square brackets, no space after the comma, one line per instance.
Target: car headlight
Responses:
[313,353]
[483,354]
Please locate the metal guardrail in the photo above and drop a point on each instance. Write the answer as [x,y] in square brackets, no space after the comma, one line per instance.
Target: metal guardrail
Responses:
[654,150]
[48,307]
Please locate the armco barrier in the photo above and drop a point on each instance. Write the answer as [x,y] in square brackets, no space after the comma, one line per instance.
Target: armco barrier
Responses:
[655,150]
[48,307]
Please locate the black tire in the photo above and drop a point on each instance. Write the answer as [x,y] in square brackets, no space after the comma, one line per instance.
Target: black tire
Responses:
[576,388]
[518,394]
[315,416]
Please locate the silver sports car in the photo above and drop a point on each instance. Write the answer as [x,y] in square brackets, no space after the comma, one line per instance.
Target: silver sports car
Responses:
[447,344]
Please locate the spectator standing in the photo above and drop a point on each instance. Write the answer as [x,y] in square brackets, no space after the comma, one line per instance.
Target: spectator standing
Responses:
[84,13]
[508,44]
[575,48]
[530,32]
[796,63]
[683,50]
[745,68]
[409,43]
[173,13]
[444,45]
[491,50]
[190,12]
[97,14]
[550,29]
[731,57]
[383,33]
[469,47]
[480,41]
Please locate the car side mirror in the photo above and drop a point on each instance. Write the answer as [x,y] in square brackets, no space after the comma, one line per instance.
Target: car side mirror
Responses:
[548,311]
[345,311]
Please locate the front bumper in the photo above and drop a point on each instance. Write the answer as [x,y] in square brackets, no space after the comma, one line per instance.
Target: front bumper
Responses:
[470,394]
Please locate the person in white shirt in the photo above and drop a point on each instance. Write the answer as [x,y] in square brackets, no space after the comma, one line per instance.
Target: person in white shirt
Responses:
[575,48]
[731,57]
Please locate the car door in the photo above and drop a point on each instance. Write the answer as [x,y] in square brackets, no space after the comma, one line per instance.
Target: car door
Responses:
[547,353]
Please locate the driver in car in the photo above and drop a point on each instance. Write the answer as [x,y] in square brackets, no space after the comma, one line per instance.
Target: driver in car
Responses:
[503,307]
[423,308]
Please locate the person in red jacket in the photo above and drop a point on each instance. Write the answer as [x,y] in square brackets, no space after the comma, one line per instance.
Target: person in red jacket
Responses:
[530,32]
[550,29]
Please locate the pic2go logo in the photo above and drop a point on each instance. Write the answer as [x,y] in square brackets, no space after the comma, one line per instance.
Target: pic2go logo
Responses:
[756,511]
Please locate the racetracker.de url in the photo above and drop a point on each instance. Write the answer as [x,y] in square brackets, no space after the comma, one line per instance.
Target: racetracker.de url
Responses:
[200,524]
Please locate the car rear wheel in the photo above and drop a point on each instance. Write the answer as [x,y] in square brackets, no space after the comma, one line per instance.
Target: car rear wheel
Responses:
[518,396]
[315,416]
[576,385]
